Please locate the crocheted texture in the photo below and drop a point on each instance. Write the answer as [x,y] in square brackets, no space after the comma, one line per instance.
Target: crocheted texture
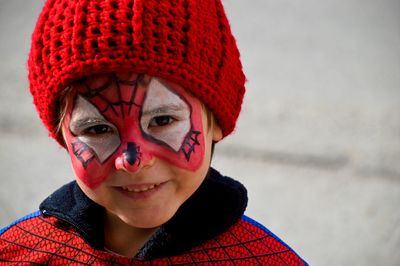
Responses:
[42,240]
[184,41]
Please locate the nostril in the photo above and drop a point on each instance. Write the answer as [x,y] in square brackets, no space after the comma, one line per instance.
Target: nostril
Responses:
[132,153]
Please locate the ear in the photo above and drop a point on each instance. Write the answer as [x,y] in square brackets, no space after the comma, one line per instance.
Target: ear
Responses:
[217,133]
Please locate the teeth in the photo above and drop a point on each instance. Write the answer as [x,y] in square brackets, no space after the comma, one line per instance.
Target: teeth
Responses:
[143,189]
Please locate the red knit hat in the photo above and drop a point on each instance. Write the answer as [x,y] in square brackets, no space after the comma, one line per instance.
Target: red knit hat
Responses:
[188,42]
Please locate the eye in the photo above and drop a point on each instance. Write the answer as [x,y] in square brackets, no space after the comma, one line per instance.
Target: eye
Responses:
[160,121]
[98,130]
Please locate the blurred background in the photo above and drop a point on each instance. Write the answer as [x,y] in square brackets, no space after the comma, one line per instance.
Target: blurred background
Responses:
[317,143]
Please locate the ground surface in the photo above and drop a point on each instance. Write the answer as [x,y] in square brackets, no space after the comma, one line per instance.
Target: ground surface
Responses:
[317,144]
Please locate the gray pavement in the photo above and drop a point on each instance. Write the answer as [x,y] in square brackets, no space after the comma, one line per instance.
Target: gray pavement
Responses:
[317,144]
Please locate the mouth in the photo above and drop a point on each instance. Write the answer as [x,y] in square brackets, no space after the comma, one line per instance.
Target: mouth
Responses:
[141,191]
[140,188]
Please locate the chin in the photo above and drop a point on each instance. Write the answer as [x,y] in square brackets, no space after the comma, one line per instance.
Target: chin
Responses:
[147,220]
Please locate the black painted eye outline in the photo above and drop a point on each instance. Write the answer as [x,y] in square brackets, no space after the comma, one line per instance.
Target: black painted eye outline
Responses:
[159,121]
[98,130]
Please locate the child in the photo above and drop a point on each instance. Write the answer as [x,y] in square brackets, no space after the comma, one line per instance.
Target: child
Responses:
[138,92]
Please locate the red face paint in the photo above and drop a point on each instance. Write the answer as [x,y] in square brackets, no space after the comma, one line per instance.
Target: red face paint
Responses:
[122,122]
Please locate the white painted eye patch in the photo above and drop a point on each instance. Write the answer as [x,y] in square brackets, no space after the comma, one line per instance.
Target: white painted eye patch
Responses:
[93,129]
[165,116]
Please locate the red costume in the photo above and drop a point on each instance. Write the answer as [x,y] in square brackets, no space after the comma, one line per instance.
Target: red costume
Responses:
[209,229]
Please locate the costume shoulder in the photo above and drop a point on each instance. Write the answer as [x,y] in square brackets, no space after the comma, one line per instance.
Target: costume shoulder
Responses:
[249,243]
[245,243]
[37,239]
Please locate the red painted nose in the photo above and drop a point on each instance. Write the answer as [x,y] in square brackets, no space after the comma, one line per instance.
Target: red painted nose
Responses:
[131,158]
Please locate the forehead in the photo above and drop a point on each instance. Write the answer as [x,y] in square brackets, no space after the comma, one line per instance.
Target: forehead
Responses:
[112,101]
[115,86]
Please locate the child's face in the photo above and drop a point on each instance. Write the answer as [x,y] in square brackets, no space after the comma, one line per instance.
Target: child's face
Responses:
[139,146]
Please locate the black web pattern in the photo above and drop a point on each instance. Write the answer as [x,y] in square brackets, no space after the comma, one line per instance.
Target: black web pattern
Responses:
[83,152]
[115,105]
[190,142]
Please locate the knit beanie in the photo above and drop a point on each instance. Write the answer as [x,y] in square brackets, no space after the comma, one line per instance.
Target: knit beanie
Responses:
[188,42]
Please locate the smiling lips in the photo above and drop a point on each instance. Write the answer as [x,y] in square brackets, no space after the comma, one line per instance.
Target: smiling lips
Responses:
[140,188]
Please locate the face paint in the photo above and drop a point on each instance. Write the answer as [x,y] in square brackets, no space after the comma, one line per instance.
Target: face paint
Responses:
[87,123]
[162,106]
[122,122]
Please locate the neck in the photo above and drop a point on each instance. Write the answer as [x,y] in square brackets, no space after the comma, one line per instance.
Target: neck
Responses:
[123,239]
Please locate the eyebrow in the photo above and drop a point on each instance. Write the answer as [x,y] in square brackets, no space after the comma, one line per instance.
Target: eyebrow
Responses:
[165,109]
[84,122]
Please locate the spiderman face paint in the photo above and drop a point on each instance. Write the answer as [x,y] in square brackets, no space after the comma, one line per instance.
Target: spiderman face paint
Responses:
[126,121]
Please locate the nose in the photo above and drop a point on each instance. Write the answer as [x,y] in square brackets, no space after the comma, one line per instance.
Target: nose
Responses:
[132,158]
